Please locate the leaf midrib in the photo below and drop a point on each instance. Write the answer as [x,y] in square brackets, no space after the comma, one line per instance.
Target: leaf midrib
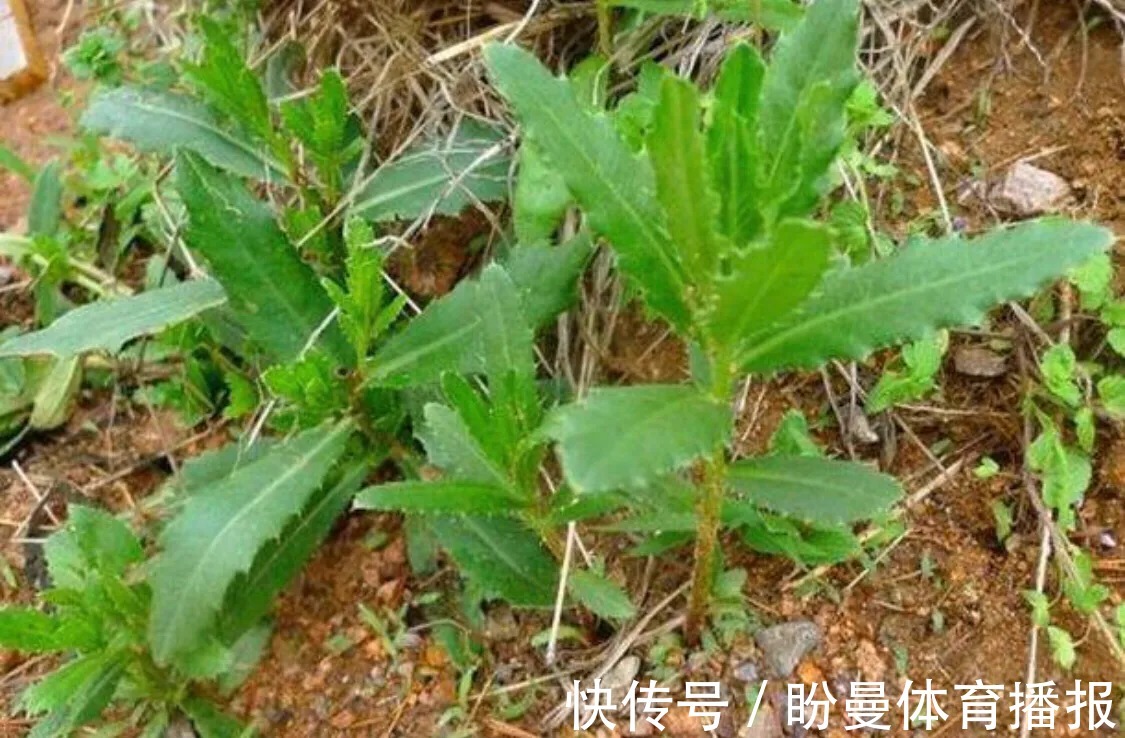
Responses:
[819,319]
[134,100]
[191,581]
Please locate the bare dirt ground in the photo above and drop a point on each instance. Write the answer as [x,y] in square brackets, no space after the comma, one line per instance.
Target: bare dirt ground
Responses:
[943,602]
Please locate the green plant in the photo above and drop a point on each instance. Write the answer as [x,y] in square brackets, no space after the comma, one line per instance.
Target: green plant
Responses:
[710,220]
[96,614]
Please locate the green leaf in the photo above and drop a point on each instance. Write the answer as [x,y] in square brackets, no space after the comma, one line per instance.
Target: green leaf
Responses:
[767,283]
[501,557]
[44,212]
[613,186]
[91,542]
[804,96]
[86,703]
[224,78]
[547,276]
[1116,340]
[599,595]
[31,631]
[1060,366]
[477,328]
[57,688]
[222,528]
[442,177]
[275,296]
[628,436]
[163,122]
[432,343]
[12,161]
[280,560]
[211,466]
[106,325]
[447,497]
[56,394]
[824,492]
[1111,392]
[792,437]
[452,446]
[770,14]
[732,144]
[676,149]
[1065,471]
[540,199]
[1040,607]
[1062,647]
[925,285]
[923,361]
[1094,281]
[211,722]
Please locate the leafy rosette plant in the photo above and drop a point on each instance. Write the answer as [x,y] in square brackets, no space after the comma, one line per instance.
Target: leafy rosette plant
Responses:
[709,199]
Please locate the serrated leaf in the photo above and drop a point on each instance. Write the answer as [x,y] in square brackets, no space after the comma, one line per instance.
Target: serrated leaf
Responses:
[87,702]
[923,360]
[547,276]
[628,436]
[164,122]
[432,343]
[1060,366]
[59,687]
[732,144]
[1111,392]
[107,325]
[677,150]
[273,294]
[767,283]
[1040,607]
[222,528]
[613,186]
[280,560]
[211,466]
[477,328]
[451,445]
[446,497]
[1094,281]
[31,631]
[925,285]
[227,82]
[599,595]
[91,541]
[804,93]
[501,557]
[1065,472]
[1062,647]
[825,492]
[442,177]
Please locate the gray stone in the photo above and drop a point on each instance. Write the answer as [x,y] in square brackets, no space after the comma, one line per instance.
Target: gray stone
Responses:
[747,671]
[978,361]
[784,645]
[1029,190]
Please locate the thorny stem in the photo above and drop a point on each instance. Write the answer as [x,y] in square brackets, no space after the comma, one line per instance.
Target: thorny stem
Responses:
[709,508]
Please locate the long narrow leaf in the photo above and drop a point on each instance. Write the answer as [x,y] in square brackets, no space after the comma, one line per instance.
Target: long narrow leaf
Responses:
[612,185]
[163,122]
[107,325]
[220,531]
[925,285]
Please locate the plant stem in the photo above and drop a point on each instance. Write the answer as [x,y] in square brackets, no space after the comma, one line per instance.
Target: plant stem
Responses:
[709,509]
[605,27]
